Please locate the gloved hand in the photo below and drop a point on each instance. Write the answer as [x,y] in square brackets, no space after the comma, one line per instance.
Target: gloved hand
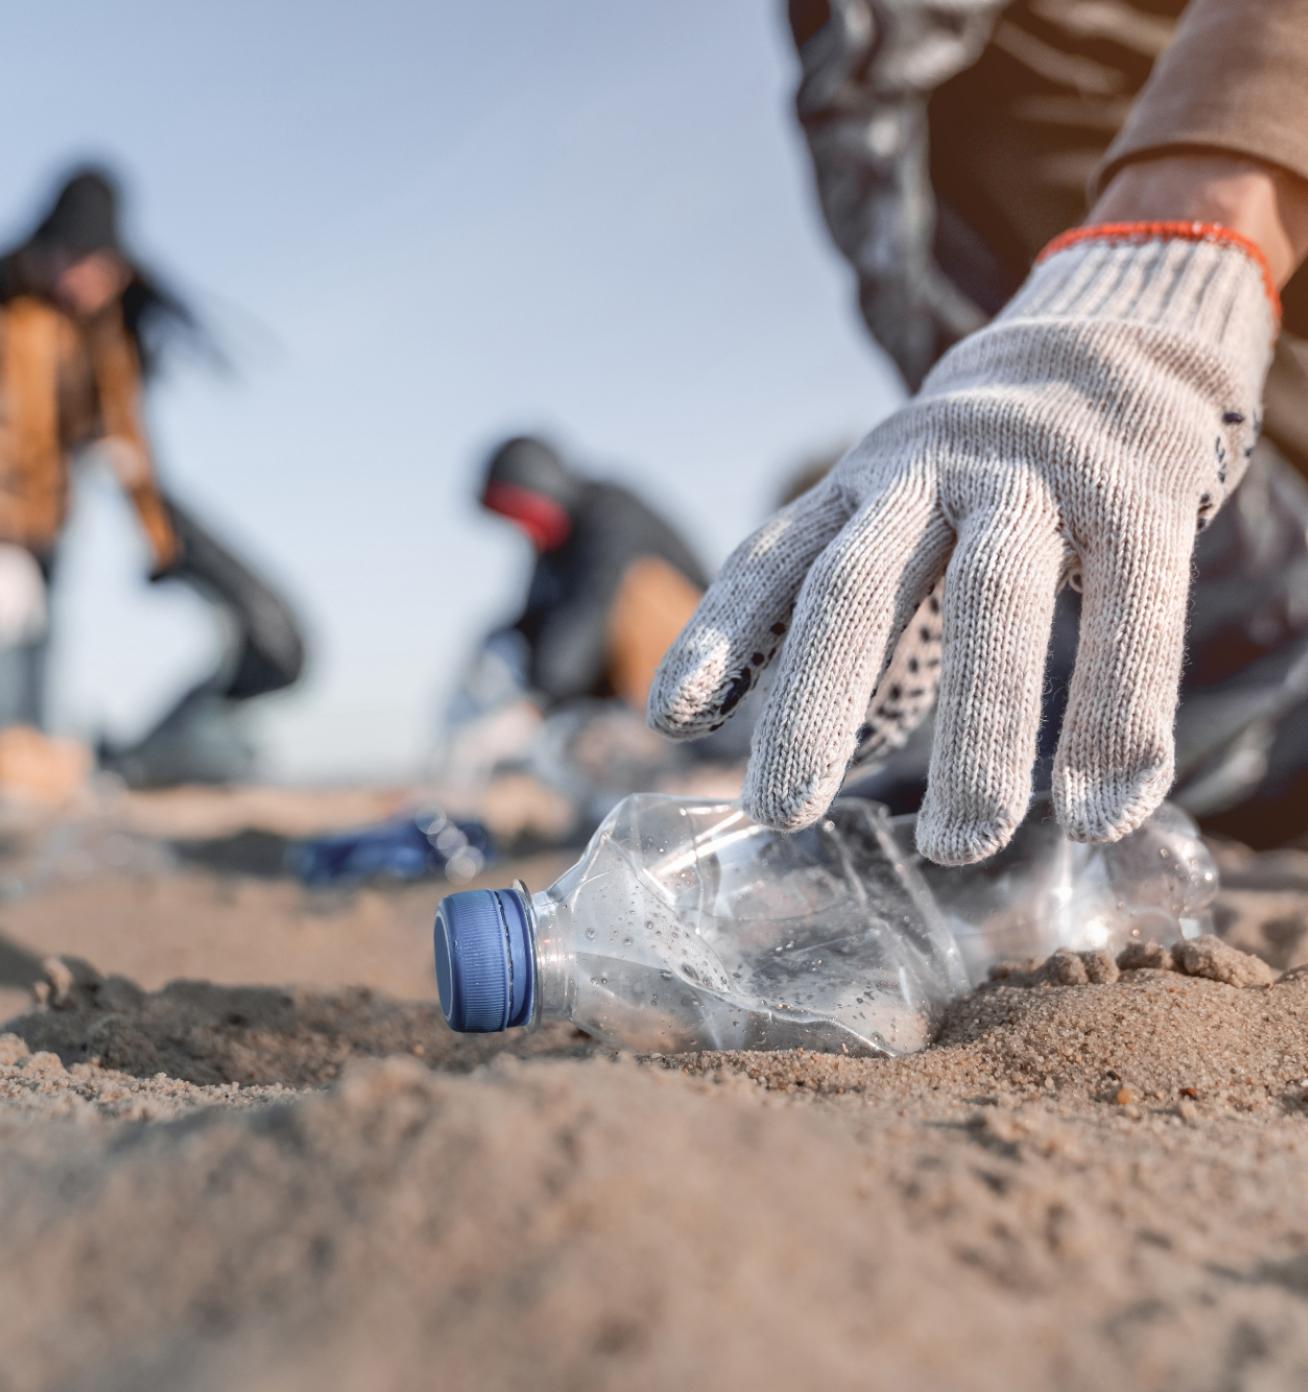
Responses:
[1089,431]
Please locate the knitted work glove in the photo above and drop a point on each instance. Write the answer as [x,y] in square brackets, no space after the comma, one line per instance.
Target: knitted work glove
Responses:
[1088,431]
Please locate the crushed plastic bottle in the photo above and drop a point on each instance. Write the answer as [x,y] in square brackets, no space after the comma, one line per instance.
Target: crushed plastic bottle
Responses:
[686,926]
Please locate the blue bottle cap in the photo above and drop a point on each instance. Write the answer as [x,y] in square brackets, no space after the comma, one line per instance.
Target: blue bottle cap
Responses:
[485,963]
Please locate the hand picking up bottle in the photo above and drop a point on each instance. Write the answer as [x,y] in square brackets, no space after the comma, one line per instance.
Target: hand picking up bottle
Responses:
[1085,435]
[686,926]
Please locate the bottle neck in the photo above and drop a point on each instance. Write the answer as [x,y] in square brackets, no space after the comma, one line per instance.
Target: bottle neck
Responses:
[551,925]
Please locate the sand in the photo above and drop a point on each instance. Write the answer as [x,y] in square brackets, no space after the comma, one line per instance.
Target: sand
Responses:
[281,1172]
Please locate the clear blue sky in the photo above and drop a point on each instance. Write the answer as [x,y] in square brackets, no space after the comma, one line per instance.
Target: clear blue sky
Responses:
[418,226]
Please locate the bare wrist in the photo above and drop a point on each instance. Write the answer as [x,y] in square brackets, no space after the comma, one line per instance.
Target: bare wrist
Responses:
[1262,203]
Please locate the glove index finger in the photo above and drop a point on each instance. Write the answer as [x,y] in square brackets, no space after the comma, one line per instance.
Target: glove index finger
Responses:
[861,592]
[743,617]
[998,616]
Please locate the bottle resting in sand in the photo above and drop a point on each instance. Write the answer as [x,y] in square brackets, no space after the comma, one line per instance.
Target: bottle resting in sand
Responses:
[685,926]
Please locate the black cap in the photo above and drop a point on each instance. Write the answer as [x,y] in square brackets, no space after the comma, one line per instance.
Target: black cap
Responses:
[84,217]
[529,463]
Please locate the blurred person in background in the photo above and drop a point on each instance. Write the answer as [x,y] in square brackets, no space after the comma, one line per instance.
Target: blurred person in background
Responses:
[546,730]
[612,583]
[951,141]
[83,327]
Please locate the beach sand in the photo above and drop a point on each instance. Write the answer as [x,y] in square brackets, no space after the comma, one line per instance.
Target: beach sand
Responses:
[282,1172]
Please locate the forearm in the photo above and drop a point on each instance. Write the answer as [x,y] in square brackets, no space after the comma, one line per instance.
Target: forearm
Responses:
[1231,82]
[1261,202]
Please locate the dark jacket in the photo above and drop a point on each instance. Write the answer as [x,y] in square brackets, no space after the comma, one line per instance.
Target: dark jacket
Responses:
[567,617]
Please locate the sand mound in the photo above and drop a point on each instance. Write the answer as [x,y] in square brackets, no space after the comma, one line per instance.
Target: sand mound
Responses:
[208,1034]
[36,1084]
[1190,1027]
[1157,1037]
[589,1224]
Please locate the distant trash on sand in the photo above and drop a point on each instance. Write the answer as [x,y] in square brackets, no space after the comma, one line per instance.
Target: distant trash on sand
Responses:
[426,846]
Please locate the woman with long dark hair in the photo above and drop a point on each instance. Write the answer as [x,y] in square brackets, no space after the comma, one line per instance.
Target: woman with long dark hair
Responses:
[83,326]
[81,323]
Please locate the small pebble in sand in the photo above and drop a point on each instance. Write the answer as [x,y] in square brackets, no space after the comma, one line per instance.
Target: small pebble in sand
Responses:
[1214,960]
[1100,968]
[58,983]
[1126,1096]
[1145,956]
[44,1064]
[1064,968]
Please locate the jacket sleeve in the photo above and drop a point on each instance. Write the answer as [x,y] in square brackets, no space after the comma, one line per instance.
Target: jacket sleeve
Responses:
[569,641]
[118,387]
[868,68]
[1235,78]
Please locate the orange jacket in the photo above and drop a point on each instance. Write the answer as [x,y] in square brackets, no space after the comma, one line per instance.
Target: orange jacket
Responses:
[63,383]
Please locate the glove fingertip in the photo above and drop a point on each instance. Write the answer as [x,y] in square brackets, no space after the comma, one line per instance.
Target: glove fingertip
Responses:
[773,803]
[683,707]
[1106,807]
[690,698]
[677,722]
[948,842]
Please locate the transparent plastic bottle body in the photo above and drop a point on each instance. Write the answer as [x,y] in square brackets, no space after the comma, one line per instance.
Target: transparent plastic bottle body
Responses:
[1044,892]
[686,926]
